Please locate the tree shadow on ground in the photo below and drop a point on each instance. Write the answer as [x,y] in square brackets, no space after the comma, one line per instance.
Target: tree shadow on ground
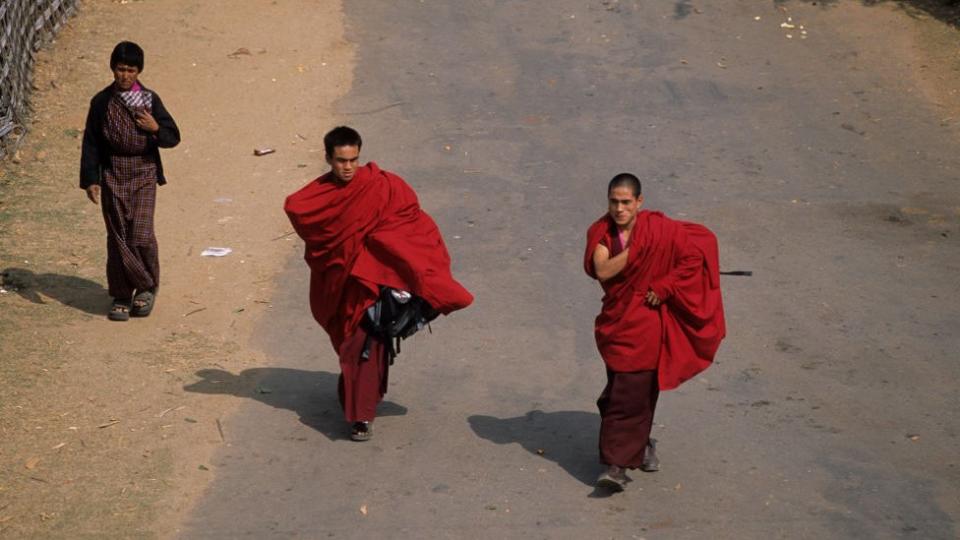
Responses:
[310,394]
[76,292]
[947,11]
[568,438]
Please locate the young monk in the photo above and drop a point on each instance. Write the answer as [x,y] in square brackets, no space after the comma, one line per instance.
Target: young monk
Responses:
[363,229]
[661,321]
[120,168]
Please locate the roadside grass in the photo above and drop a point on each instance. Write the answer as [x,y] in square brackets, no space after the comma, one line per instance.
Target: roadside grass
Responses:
[92,431]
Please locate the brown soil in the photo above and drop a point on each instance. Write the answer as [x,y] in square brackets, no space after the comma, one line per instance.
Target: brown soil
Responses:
[912,42]
[99,437]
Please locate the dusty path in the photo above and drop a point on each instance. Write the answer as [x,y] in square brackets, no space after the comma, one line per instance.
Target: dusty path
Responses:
[66,369]
[820,159]
[825,164]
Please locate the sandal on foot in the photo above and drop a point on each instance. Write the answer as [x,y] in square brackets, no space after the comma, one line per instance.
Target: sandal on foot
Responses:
[119,311]
[143,303]
[361,431]
[614,479]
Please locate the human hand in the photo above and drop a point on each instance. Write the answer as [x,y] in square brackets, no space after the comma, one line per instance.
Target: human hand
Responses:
[146,122]
[93,193]
[653,299]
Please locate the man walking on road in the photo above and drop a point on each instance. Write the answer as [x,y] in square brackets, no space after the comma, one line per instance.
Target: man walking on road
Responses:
[661,321]
[379,269]
[120,169]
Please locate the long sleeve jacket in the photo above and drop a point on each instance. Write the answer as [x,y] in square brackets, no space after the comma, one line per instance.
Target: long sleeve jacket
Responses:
[96,152]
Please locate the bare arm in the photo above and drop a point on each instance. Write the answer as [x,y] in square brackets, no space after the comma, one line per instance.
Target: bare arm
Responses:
[606,266]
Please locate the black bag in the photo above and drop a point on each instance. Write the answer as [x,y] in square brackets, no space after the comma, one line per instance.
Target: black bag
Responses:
[395,316]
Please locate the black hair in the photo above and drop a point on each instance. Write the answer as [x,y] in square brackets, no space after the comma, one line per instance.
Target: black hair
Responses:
[341,136]
[127,53]
[625,179]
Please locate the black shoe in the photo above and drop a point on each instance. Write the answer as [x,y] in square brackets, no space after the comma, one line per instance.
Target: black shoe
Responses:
[650,461]
[613,479]
[361,431]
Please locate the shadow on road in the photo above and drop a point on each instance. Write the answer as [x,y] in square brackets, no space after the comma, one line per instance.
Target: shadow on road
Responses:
[76,292]
[568,438]
[947,11]
[310,394]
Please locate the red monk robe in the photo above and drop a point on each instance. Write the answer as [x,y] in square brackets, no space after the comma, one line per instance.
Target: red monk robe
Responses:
[648,349]
[358,235]
[679,261]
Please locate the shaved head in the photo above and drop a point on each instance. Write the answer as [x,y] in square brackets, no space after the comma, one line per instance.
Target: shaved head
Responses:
[625,180]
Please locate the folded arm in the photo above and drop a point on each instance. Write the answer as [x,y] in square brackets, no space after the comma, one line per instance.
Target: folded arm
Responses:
[606,266]
[167,133]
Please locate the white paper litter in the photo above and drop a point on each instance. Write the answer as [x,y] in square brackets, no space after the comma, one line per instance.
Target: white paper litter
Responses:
[216,252]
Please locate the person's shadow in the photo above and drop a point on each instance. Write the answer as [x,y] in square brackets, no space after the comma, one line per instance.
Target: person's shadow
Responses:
[568,438]
[76,292]
[310,394]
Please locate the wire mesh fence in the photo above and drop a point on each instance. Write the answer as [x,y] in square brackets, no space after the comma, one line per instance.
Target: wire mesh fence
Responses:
[25,26]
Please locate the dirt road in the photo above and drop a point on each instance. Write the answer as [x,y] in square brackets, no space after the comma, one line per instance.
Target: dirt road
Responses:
[807,139]
[236,76]
[819,142]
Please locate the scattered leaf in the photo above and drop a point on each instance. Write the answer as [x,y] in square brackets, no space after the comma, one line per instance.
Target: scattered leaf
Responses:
[32,463]
[363,509]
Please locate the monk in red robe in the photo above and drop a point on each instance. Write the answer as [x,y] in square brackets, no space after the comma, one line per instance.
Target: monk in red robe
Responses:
[364,229]
[661,321]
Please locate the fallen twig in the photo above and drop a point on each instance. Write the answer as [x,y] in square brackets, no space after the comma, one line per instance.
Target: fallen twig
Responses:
[379,109]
